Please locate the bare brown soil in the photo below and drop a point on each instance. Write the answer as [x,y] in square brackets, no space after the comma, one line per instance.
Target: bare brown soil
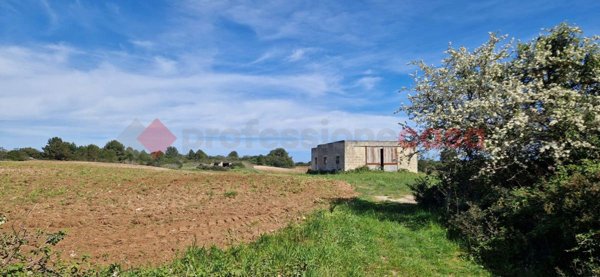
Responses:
[272,169]
[139,216]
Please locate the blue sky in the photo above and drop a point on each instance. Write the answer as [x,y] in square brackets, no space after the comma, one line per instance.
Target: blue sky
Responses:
[241,75]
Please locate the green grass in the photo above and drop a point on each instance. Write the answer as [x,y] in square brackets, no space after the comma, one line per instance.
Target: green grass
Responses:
[356,237]
[372,183]
[231,194]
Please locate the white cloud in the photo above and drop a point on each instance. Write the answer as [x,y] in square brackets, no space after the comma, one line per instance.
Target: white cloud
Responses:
[368,82]
[264,57]
[165,66]
[296,55]
[142,43]
[53,18]
[42,91]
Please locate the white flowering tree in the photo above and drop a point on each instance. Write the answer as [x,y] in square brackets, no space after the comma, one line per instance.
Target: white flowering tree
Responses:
[538,103]
[527,202]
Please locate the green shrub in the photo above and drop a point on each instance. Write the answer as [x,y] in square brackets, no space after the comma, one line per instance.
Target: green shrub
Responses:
[212,167]
[525,199]
[571,212]
[427,192]
[363,168]
[279,158]
[26,253]
[231,194]
[315,172]
[17,155]
[3,153]
[550,227]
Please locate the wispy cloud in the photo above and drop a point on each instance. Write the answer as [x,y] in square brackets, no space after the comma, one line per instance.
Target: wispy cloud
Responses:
[368,82]
[296,55]
[101,100]
[301,53]
[53,18]
[142,43]
[84,69]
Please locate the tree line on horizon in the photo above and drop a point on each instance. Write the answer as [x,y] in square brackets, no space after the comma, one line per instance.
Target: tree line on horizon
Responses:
[115,152]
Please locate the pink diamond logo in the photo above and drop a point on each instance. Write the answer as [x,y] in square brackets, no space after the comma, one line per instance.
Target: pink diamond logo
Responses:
[156,137]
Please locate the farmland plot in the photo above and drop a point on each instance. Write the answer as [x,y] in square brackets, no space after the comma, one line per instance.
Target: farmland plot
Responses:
[144,216]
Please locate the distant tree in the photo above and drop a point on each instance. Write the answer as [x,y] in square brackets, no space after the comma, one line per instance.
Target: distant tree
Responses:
[428,165]
[117,147]
[279,158]
[32,152]
[156,155]
[200,155]
[233,155]
[17,155]
[57,149]
[92,152]
[144,157]
[172,153]
[158,158]
[191,155]
[80,153]
[130,154]
[260,160]
[109,156]
[3,153]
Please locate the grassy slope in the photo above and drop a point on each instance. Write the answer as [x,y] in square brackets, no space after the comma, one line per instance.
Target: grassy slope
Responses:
[371,183]
[357,237]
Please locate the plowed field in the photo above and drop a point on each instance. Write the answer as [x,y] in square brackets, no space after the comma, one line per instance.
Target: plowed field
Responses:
[139,216]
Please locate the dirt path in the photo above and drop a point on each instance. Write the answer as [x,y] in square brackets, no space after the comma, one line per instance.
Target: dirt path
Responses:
[407,199]
[272,169]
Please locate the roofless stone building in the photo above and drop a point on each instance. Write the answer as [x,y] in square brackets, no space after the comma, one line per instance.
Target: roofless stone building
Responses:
[347,155]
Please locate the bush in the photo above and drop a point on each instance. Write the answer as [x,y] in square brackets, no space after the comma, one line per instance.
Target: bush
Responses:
[279,158]
[315,172]
[212,167]
[428,166]
[552,225]
[231,194]
[526,202]
[571,211]
[32,153]
[17,155]
[363,168]
[24,253]
[428,193]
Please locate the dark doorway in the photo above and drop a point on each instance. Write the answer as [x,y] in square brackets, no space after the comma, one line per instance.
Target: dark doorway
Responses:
[381,158]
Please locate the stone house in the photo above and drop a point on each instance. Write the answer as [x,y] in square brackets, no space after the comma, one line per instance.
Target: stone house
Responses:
[348,154]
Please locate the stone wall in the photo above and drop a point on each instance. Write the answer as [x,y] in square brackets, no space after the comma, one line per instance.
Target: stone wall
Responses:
[329,151]
[353,155]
